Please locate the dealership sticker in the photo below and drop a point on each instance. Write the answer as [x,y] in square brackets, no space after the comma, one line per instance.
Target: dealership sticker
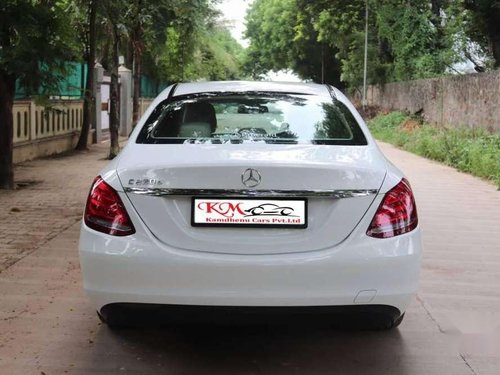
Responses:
[278,213]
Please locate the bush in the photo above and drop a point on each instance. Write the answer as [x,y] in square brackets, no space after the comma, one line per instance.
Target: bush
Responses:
[469,150]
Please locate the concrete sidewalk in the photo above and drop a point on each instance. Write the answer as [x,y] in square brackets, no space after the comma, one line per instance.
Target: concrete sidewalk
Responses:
[52,200]
[460,280]
[460,219]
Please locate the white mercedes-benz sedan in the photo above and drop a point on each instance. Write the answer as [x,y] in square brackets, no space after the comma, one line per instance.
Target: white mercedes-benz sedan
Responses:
[248,196]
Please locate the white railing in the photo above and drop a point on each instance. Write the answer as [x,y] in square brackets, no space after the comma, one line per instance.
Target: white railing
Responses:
[33,122]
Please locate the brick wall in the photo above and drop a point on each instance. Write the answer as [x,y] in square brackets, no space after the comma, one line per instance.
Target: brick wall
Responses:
[471,100]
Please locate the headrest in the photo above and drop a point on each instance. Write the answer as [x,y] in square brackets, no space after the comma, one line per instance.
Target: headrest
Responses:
[200,112]
[195,130]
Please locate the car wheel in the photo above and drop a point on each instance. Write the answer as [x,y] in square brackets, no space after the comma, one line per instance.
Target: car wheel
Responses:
[111,320]
[102,318]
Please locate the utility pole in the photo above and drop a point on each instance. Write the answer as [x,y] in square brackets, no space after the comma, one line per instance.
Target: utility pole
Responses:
[364,103]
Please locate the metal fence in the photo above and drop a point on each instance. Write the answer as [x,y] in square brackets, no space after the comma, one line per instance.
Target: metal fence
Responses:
[71,86]
[151,88]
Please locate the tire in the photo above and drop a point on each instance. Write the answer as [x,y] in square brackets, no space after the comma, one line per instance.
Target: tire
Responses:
[398,321]
[111,320]
[102,318]
[388,324]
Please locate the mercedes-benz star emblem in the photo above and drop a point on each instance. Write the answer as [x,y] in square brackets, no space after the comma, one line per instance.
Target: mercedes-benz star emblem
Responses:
[251,177]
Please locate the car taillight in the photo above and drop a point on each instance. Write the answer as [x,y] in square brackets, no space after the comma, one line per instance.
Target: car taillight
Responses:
[397,214]
[105,211]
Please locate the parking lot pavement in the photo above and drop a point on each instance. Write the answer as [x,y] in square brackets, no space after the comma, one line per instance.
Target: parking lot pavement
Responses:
[48,327]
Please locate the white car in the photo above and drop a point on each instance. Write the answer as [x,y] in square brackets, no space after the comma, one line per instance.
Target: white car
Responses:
[287,203]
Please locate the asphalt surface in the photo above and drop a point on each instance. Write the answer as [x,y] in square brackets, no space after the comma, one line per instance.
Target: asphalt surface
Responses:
[47,325]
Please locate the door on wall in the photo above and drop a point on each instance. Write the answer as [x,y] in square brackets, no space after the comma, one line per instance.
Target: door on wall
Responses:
[105,85]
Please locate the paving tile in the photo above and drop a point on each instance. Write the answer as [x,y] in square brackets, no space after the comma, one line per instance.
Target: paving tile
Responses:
[31,216]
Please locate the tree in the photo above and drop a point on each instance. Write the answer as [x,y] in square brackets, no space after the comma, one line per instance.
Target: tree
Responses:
[88,35]
[410,36]
[219,55]
[139,15]
[34,44]
[185,41]
[282,37]
[407,39]
[170,34]
[114,24]
[483,25]
[340,24]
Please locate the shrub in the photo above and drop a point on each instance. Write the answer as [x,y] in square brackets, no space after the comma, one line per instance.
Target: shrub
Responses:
[469,150]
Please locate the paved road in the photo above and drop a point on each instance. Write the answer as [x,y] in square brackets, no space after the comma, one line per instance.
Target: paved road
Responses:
[48,327]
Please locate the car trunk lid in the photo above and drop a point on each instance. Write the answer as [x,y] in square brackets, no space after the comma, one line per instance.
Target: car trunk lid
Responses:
[338,182]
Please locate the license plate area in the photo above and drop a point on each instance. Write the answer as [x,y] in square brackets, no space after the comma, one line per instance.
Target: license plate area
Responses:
[249,212]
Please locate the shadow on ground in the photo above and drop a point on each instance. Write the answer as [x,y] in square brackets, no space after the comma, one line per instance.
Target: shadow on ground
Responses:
[248,348]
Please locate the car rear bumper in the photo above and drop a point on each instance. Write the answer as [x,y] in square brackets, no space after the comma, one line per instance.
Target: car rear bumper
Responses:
[141,314]
[360,271]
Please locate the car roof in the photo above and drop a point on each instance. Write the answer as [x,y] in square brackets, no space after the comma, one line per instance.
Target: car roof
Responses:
[243,86]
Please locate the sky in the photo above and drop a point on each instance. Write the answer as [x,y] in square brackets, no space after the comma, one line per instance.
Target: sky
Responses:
[234,11]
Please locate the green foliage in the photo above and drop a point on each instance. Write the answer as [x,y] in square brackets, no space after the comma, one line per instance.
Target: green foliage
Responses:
[35,42]
[215,55]
[481,24]
[469,150]
[407,39]
[417,44]
[177,40]
[79,16]
[341,24]
[184,42]
[170,63]
[220,56]
[351,55]
[283,37]
[271,29]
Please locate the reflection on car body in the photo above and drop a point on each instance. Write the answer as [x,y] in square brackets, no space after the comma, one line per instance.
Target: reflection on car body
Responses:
[242,108]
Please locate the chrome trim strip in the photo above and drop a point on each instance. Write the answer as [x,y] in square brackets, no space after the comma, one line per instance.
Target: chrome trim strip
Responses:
[337,194]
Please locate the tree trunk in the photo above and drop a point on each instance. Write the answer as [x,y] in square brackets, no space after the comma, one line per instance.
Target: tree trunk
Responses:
[89,98]
[495,48]
[137,83]
[114,108]
[137,47]
[494,36]
[7,92]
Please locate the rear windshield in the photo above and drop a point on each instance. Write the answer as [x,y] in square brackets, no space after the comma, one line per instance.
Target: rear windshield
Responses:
[252,118]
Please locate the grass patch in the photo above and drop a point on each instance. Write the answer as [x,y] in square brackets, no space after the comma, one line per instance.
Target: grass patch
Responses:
[472,151]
